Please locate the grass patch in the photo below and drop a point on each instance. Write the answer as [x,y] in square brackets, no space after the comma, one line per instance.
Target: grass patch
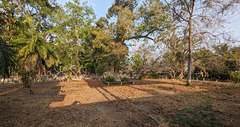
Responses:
[198,116]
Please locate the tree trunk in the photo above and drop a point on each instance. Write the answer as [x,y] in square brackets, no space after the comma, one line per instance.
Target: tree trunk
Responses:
[144,68]
[190,53]
[116,70]
[30,86]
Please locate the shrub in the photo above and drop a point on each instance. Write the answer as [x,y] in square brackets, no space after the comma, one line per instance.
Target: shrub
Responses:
[154,75]
[235,76]
[69,77]
[110,79]
[143,76]
[27,76]
[198,116]
[124,79]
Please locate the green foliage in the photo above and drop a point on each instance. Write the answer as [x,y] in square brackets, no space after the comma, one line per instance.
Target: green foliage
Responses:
[143,76]
[137,63]
[27,76]
[154,75]
[220,64]
[110,79]
[198,116]
[235,76]
[69,77]
[36,52]
[6,58]
[90,67]
[73,26]
[124,79]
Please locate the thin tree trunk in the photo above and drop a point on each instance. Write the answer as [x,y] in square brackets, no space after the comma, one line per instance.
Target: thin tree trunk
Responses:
[190,54]
[30,86]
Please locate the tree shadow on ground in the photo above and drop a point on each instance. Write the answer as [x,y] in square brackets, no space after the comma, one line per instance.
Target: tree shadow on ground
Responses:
[138,83]
[18,108]
[21,109]
[92,83]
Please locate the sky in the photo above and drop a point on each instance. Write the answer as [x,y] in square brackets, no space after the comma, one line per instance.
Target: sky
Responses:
[100,8]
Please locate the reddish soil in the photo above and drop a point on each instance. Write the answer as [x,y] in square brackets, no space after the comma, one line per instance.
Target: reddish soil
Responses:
[90,103]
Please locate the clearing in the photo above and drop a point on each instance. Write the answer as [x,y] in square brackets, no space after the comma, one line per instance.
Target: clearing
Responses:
[152,102]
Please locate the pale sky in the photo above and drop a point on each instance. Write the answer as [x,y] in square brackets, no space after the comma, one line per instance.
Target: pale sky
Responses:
[100,8]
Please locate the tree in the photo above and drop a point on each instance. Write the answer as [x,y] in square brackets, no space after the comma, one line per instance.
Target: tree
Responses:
[35,53]
[122,10]
[13,13]
[137,63]
[220,63]
[146,51]
[73,26]
[196,17]
[7,59]
[152,21]
[148,21]
[101,46]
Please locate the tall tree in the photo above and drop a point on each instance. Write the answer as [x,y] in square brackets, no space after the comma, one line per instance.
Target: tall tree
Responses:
[122,11]
[13,13]
[196,16]
[36,53]
[73,27]
[149,21]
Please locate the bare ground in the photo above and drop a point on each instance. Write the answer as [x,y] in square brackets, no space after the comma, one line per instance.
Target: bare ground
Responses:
[90,103]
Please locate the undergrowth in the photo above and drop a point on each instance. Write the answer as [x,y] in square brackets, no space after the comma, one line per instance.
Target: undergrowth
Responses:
[124,79]
[110,79]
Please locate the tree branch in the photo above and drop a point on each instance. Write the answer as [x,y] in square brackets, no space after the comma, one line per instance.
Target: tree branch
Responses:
[176,12]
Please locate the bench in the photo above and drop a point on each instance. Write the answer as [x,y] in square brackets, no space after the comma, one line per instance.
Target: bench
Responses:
[125,82]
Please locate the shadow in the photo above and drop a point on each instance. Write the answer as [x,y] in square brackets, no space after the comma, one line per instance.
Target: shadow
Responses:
[99,85]
[17,105]
[10,91]
[90,103]
[152,83]
[117,98]
[95,83]
[92,83]
[152,92]
[76,103]
[159,81]
[102,94]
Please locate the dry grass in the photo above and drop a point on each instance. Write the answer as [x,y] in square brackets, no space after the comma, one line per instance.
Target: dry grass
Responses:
[90,103]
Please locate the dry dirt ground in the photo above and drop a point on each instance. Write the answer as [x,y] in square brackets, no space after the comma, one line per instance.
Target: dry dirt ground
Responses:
[90,103]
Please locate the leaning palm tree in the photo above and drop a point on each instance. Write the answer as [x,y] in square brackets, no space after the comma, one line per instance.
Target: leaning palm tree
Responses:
[36,53]
[6,58]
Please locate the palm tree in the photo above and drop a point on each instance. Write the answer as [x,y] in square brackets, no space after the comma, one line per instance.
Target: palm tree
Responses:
[6,58]
[36,53]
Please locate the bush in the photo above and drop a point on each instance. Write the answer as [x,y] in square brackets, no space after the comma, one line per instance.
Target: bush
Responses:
[199,116]
[69,77]
[27,76]
[110,79]
[143,76]
[154,75]
[124,79]
[235,76]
